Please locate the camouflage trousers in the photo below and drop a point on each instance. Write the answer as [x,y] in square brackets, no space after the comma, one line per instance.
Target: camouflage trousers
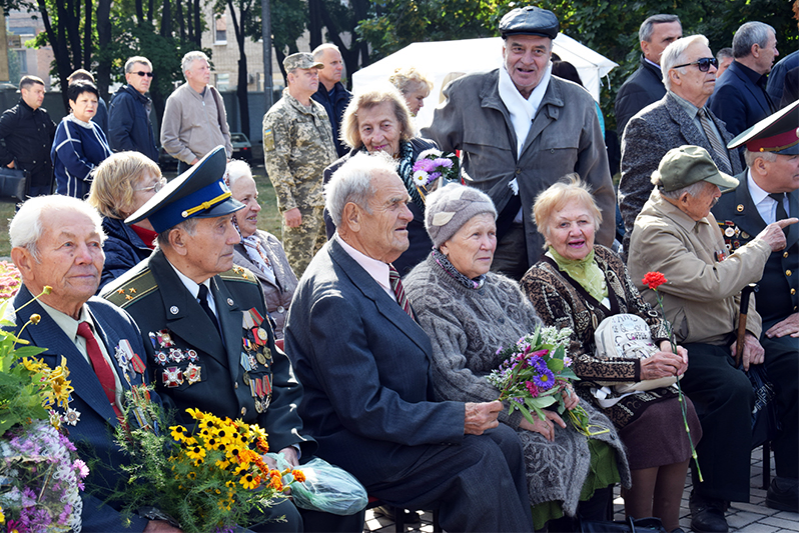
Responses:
[302,242]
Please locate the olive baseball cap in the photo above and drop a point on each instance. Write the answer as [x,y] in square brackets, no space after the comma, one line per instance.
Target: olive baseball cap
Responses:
[687,165]
[300,60]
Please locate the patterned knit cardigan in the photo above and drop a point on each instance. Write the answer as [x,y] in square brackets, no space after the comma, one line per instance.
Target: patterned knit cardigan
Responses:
[466,327]
[559,304]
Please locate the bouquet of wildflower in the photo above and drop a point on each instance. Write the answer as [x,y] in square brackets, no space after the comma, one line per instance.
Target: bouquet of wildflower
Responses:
[654,280]
[208,478]
[432,169]
[40,473]
[533,374]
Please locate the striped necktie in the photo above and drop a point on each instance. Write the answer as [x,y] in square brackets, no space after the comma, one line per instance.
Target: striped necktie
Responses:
[722,153]
[399,291]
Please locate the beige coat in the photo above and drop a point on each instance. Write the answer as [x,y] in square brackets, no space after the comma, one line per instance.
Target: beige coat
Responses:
[701,296]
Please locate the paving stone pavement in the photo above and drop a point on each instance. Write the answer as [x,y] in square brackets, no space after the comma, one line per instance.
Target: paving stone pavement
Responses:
[753,517]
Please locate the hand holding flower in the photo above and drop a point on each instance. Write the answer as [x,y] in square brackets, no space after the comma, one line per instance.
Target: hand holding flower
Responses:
[571,399]
[546,427]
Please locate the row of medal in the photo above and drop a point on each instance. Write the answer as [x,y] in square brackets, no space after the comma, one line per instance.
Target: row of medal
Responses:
[130,362]
[166,353]
[731,231]
[255,351]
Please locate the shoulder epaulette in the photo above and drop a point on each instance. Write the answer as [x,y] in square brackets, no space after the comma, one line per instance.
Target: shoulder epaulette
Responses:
[130,290]
[238,273]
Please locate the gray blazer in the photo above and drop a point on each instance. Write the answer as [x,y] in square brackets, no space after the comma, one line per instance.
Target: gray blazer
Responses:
[650,134]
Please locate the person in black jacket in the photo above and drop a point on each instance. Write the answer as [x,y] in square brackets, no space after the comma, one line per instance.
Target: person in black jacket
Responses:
[331,93]
[129,119]
[644,86]
[27,131]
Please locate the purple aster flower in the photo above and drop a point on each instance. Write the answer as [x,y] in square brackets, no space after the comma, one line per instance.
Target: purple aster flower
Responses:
[541,366]
[442,162]
[81,468]
[545,380]
[567,360]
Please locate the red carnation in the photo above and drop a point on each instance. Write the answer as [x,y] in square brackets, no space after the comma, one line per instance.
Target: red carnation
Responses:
[654,279]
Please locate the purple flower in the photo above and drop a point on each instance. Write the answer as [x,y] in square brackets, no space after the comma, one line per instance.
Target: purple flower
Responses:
[433,176]
[545,380]
[81,468]
[442,162]
[541,366]
[567,360]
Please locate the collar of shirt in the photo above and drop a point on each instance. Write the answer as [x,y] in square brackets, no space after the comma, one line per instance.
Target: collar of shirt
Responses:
[764,203]
[686,105]
[194,287]
[378,270]
[652,63]
[521,109]
[752,75]
[68,324]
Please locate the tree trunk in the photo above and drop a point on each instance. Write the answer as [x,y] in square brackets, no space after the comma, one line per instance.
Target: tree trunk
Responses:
[241,82]
[181,25]
[315,8]
[103,41]
[198,28]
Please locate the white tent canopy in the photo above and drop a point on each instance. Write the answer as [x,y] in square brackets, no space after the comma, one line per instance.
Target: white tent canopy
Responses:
[438,59]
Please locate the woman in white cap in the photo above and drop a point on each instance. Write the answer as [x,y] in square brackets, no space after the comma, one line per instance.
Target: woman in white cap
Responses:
[468,312]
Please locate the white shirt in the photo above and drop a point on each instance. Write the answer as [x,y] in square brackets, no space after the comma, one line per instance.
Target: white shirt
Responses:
[378,270]
[767,206]
[194,288]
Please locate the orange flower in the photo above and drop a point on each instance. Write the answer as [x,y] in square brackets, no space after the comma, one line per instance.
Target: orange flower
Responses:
[298,475]
[654,279]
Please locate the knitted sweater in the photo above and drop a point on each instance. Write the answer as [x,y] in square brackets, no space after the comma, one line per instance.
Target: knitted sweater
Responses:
[78,148]
[466,327]
[561,305]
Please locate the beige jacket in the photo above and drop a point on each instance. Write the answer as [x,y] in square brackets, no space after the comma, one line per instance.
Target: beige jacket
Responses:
[194,124]
[701,296]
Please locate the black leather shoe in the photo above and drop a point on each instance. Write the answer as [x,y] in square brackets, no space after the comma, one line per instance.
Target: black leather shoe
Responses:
[708,515]
[782,494]
[386,511]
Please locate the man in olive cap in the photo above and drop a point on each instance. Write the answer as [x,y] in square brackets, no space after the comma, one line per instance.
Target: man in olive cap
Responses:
[677,235]
[298,145]
[206,329]
[521,130]
[767,192]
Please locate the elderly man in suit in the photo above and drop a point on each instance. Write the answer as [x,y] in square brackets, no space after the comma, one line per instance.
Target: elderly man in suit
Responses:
[741,98]
[206,329]
[365,362]
[767,192]
[58,242]
[680,118]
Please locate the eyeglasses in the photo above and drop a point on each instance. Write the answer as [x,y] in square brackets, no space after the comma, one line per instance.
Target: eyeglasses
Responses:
[143,74]
[155,188]
[704,63]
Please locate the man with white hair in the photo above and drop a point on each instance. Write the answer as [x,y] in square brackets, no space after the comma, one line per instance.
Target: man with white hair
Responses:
[741,98]
[331,93]
[365,366]
[57,242]
[194,120]
[679,118]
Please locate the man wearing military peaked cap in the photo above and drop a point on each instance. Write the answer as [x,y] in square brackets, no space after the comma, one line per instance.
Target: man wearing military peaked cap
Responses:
[521,130]
[205,325]
[767,192]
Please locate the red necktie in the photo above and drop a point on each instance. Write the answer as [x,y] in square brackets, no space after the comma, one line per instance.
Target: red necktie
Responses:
[399,291]
[101,367]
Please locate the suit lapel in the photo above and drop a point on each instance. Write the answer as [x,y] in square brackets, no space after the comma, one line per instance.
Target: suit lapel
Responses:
[184,316]
[755,91]
[791,240]
[548,112]
[372,290]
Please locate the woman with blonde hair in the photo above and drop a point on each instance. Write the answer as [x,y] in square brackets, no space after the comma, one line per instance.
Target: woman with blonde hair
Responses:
[413,85]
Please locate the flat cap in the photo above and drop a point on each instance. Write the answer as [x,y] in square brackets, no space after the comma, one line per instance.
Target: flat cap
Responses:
[199,192]
[684,166]
[777,133]
[300,60]
[529,20]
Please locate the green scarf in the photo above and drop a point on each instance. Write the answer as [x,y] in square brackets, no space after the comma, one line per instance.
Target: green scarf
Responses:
[585,271]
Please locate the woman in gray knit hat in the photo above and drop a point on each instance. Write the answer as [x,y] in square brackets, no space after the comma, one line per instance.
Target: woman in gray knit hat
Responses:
[469,312]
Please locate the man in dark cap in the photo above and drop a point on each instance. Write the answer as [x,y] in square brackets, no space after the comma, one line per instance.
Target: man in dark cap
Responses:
[677,235]
[205,325]
[521,130]
[767,192]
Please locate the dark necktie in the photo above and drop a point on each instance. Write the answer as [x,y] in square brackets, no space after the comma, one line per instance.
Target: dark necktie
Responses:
[101,367]
[722,153]
[202,295]
[780,212]
[399,291]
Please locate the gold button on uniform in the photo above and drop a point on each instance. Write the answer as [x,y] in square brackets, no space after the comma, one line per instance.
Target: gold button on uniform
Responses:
[244,411]
[788,272]
[785,254]
[793,291]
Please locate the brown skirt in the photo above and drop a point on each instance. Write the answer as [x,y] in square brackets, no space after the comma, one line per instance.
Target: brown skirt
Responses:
[657,437]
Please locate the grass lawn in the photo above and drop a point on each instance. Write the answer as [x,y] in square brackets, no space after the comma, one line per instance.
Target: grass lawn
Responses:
[269,219]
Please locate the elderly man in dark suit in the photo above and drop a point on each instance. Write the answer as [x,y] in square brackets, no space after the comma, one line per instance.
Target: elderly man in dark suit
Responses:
[741,98]
[767,192]
[57,242]
[364,363]
[206,329]
[680,118]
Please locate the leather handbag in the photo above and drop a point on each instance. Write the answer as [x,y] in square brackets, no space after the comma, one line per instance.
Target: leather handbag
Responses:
[640,525]
[14,185]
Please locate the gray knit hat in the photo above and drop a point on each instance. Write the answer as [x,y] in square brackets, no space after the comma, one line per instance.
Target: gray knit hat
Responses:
[450,207]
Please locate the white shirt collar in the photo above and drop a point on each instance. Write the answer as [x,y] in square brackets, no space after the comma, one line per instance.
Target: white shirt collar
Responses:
[378,270]
[765,205]
[654,64]
[194,287]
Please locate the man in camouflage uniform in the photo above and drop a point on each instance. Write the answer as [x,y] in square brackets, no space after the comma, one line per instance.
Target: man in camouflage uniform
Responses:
[298,145]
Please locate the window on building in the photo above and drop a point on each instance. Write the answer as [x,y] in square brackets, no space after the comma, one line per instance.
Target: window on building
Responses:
[223,82]
[22,30]
[22,59]
[220,31]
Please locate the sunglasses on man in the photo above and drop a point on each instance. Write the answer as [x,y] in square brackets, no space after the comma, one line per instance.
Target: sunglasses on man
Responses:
[150,74]
[704,63]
